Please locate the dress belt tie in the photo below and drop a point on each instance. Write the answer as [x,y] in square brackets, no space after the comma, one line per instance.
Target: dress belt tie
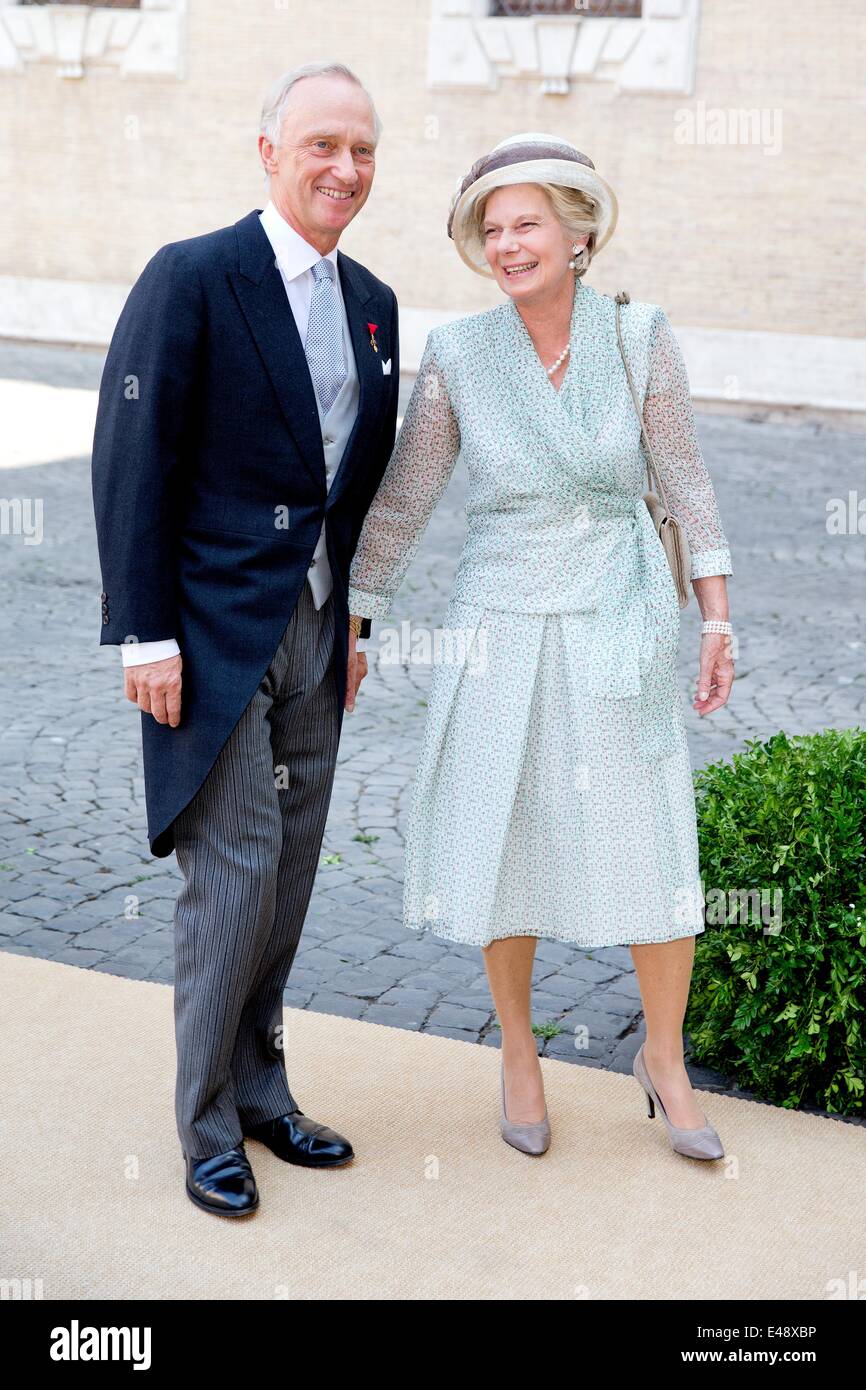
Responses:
[637,605]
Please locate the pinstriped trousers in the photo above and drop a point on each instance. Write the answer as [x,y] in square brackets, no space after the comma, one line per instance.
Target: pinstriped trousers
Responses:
[248,846]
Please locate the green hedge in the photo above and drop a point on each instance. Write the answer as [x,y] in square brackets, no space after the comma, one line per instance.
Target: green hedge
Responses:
[779,986]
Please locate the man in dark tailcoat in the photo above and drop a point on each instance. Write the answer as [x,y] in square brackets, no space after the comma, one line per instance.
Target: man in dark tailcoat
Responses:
[247,411]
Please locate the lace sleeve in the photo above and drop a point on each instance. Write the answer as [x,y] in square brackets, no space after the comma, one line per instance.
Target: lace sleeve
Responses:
[670,426]
[418,471]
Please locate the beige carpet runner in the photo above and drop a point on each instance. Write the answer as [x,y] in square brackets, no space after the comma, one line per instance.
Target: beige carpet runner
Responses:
[435,1205]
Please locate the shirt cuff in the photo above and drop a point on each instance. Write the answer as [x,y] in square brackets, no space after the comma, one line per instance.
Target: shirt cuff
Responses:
[709,562]
[361,644]
[137,653]
[369,605]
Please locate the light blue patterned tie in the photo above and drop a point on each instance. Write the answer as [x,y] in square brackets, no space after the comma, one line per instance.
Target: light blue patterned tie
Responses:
[324,341]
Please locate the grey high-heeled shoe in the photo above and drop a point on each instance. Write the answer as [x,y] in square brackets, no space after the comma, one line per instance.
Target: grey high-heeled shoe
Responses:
[532,1137]
[694,1143]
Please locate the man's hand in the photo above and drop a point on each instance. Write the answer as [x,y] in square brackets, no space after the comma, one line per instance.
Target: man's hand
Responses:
[155,687]
[356,670]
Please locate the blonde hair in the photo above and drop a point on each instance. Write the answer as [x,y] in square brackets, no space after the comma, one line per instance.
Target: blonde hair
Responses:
[576,212]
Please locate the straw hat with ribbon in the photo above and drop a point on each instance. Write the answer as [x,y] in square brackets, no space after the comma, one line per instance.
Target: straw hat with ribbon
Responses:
[527,158]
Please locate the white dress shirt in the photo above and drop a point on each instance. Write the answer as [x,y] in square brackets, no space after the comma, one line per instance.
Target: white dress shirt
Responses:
[295,259]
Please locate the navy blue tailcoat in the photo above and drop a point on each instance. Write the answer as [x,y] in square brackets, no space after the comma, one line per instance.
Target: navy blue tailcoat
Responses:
[209,484]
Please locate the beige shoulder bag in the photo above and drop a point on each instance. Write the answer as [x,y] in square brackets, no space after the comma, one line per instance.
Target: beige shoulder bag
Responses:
[668,529]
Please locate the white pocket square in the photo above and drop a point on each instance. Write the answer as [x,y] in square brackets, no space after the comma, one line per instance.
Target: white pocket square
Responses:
[386,368]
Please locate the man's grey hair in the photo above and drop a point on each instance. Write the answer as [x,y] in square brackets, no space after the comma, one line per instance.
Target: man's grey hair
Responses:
[275,101]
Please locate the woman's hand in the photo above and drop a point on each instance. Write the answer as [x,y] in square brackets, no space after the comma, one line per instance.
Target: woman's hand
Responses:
[356,670]
[716,675]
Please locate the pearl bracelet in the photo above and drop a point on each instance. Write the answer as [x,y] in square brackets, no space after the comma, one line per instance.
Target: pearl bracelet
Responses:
[716,625]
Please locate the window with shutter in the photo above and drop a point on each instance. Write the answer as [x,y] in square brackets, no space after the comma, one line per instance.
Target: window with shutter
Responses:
[609,9]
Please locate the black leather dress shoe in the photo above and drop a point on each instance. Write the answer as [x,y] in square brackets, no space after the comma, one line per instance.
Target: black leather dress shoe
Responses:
[298,1139]
[223,1183]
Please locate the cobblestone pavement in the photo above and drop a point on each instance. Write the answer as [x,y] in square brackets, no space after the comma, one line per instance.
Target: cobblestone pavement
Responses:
[74,860]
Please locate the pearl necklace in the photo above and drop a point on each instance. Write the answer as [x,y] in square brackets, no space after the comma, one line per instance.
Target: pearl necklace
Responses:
[559,361]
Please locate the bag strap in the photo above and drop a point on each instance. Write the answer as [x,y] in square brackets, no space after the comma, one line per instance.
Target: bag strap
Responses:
[652,467]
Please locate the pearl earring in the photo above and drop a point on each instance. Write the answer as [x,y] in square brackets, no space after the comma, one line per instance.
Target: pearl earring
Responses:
[575,252]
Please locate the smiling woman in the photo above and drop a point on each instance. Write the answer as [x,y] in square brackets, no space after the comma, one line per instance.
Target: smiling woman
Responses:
[574,211]
[553,794]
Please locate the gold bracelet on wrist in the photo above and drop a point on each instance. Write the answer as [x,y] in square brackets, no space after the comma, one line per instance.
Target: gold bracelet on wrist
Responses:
[355,624]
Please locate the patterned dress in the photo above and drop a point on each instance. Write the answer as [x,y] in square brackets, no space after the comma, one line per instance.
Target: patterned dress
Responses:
[553,795]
